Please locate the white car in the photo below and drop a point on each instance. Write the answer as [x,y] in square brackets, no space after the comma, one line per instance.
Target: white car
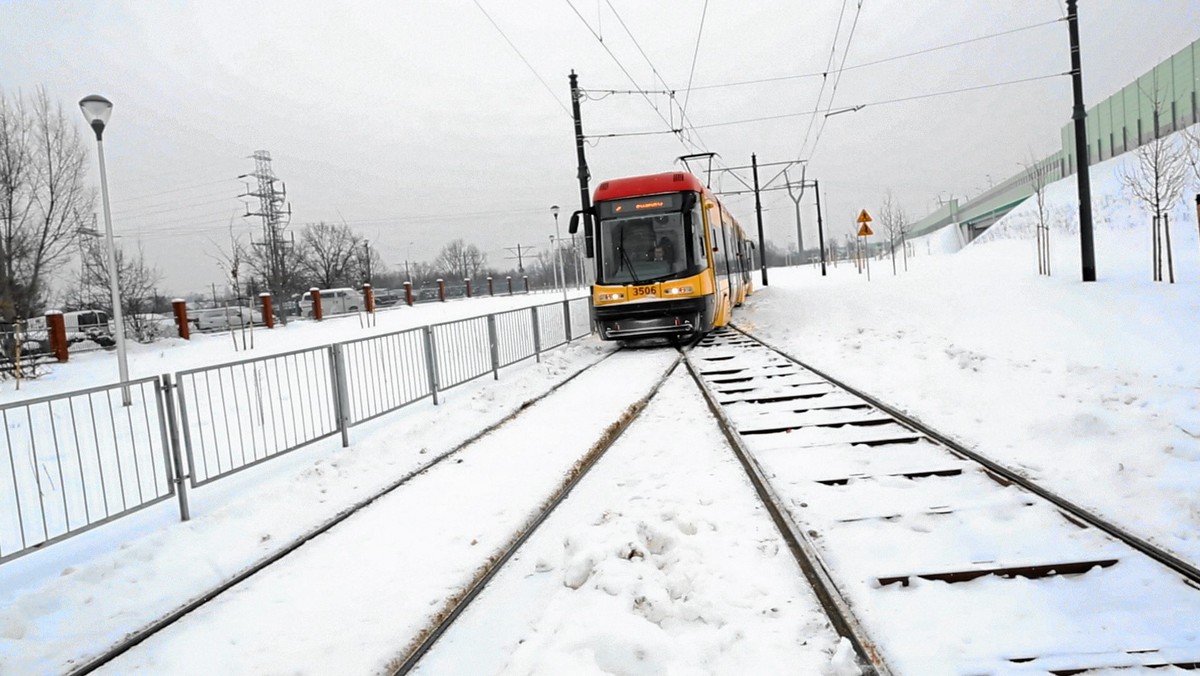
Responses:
[220,318]
[333,302]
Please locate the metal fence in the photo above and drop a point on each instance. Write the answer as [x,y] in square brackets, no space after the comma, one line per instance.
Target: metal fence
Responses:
[78,460]
[234,416]
[387,372]
[74,461]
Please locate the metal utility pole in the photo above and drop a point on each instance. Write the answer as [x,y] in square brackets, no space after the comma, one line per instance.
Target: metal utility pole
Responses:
[1086,245]
[762,245]
[519,253]
[796,201]
[275,214]
[757,189]
[585,198]
[820,225]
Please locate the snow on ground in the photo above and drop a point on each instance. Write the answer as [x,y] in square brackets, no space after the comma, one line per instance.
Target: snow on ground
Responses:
[76,597]
[350,600]
[1092,389]
[661,561]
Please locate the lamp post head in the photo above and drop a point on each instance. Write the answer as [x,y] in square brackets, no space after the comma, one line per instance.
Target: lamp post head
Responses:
[96,110]
[554,210]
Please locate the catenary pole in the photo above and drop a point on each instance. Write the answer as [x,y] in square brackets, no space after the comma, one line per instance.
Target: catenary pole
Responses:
[1086,244]
[585,199]
[820,225]
[758,212]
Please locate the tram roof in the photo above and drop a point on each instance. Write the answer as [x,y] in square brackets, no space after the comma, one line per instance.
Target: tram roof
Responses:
[651,184]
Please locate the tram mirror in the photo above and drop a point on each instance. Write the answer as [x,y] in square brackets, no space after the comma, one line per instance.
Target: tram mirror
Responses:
[573,226]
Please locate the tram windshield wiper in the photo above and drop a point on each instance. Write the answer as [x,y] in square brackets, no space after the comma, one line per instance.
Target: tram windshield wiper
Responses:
[625,256]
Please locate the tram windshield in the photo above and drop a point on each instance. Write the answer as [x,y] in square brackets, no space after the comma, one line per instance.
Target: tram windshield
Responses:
[642,248]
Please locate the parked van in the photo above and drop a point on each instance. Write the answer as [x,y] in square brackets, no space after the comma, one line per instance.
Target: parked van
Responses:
[333,302]
[80,325]
[220,318]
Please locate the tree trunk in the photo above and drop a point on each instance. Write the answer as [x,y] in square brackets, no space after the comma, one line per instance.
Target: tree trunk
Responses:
[1041,264]
[1156,266]
[1170,261]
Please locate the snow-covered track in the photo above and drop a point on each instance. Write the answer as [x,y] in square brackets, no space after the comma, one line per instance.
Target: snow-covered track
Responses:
[930,557]
[456,605]
[133,639]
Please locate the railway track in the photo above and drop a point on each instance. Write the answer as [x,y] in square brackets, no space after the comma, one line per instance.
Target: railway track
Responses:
[257,570]
[931,558]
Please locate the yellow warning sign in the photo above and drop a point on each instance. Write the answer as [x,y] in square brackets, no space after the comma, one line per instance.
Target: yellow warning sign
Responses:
[864,217]
[865,230]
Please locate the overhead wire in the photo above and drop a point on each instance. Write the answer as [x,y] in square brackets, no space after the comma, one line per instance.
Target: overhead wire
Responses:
[683,120]
[522,57]
[824,76]
[837,79]
[160,193]
[687,94]
[620,65]
[886,101]
[877,62]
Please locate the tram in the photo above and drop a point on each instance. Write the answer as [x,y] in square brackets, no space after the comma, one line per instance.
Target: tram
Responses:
[671,261]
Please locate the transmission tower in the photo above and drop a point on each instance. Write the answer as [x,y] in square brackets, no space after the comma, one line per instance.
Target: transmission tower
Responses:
[276,244]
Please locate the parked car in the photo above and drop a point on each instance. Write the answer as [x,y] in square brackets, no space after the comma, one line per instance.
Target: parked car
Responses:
[220,318]
[386,297]
[333,302]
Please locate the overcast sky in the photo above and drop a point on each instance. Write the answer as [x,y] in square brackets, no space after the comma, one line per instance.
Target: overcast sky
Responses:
[416,122]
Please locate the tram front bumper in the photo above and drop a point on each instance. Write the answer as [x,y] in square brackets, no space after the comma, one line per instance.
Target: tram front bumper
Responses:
[655,319]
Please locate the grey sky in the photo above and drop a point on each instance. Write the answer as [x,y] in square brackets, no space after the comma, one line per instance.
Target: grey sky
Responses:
[416,122]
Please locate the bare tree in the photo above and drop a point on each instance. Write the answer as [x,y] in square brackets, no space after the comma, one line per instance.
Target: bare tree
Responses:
[1038,174]
[329,254]
[1157,180]
[893,219]
[44,198]
[136,281]
[459,260]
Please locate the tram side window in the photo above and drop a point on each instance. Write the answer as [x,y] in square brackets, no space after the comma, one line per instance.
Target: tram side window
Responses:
[720,256]
[696,252]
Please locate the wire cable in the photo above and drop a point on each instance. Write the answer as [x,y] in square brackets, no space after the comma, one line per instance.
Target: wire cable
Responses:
[887,101]
[522,57]
[683,121]
[687,94]
[624,70]
[824,77]
[866,64]
[837,79]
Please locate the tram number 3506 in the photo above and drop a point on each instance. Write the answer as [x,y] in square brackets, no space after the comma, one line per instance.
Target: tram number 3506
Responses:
[639,291]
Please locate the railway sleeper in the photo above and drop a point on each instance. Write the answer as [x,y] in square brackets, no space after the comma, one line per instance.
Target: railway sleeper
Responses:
[1142,658]
[941,510]
[921,474]
[829,425]
[1007,572]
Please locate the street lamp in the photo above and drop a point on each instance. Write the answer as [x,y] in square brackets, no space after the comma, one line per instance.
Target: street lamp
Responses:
[96,110]
[558,251]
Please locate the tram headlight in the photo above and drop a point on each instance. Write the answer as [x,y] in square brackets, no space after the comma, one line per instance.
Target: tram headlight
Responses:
[611,296]
[678,290]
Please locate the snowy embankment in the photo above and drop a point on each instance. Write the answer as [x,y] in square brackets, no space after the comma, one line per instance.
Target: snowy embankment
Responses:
[661,561]
[1091,389]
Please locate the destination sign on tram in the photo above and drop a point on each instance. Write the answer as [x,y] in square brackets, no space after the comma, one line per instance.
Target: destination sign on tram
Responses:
[640,205]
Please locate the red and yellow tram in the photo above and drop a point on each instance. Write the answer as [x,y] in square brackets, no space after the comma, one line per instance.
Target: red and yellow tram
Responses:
[671,261]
